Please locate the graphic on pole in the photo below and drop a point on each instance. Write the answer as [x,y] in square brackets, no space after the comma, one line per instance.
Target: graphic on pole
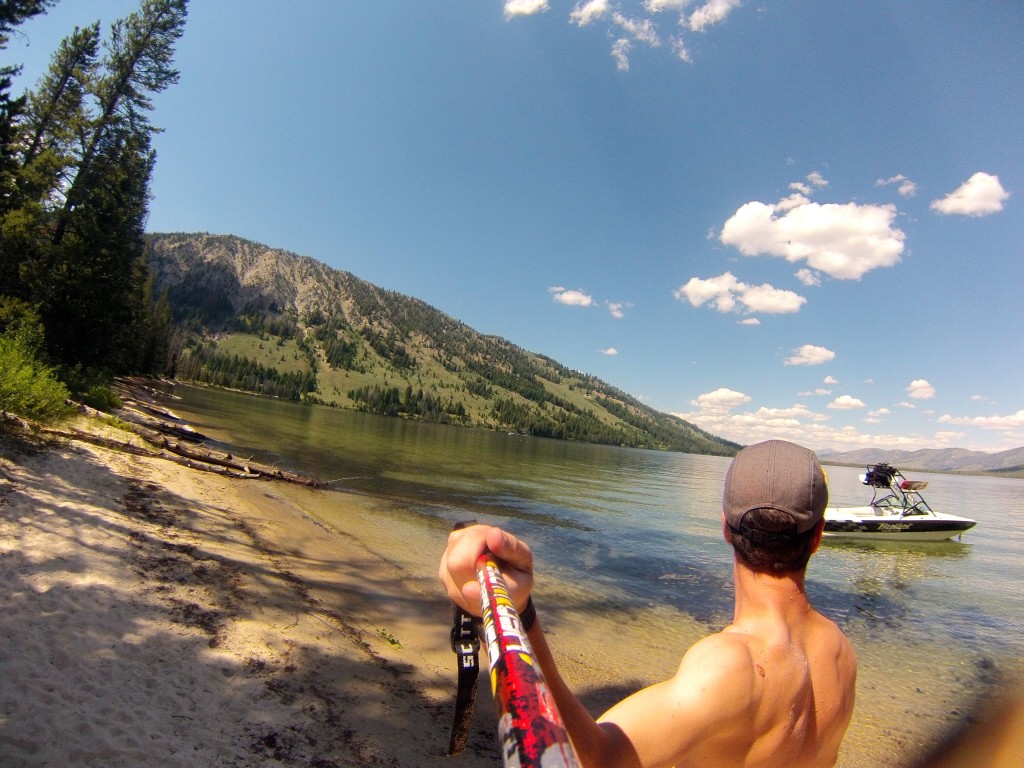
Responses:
[529,726]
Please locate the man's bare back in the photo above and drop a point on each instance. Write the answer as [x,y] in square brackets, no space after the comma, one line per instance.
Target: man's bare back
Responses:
[774,688]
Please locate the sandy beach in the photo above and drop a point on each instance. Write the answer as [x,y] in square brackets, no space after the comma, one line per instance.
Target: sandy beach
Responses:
[152,614]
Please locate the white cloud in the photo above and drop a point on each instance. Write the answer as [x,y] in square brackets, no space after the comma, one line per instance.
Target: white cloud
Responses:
[680,50]
[571,298]
[750,321]
[616,308]
[905,404]
[722,413]
[980,195]
[817,179]
[641,30]
[524,7]
[846,403]
[655,6]
[920,389]
[1013,421]
[830,380]
[809,354]
[845,241]
[727,294]
[793,201]
[808,277]
[712,12]
[721,399]
[620,52]
[585,13]
[799,186]
[611,351]
[906,187]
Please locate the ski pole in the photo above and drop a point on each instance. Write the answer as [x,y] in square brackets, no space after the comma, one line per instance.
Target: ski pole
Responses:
[530,729]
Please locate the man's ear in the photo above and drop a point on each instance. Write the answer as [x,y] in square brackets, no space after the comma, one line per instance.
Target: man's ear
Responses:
[819,531]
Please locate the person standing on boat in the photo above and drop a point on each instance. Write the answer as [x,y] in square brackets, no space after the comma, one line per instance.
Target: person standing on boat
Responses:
[775,687]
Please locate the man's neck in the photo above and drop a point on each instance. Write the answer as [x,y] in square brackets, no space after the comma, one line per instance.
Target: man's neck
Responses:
[761,595]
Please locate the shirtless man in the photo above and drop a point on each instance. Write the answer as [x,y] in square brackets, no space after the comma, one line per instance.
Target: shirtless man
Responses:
[774,688]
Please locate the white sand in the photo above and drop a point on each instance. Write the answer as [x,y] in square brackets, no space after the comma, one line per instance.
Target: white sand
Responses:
[152,615]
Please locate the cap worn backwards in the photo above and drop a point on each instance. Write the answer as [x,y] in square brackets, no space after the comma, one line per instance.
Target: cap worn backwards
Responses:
[779,475]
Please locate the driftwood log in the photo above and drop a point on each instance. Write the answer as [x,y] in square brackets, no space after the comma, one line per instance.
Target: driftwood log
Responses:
[169,437]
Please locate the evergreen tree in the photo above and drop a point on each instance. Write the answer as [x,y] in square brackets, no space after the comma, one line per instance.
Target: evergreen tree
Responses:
[71,232]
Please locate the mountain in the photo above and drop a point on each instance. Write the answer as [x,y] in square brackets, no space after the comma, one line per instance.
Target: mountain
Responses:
[269,321]
[1009,463]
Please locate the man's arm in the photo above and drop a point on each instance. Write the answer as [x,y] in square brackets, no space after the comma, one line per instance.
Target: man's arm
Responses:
[707,699]
[656,726]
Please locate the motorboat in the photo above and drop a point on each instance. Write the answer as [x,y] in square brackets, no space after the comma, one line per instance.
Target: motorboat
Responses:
[897,512]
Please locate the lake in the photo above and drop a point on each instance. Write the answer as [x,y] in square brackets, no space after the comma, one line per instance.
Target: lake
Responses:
[631,563]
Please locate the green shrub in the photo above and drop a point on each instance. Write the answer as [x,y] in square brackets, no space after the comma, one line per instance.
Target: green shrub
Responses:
[102,398]
[27,387]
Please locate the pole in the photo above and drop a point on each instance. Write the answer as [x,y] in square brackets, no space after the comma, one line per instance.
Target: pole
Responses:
[529,726]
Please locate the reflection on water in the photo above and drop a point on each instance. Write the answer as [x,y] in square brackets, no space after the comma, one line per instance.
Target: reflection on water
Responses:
[629,537]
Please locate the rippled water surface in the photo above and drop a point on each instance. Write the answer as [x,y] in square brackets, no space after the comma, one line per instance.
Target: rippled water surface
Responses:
[638,532]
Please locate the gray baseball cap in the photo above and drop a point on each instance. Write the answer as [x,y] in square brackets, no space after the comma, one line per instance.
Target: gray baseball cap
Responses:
[778,475]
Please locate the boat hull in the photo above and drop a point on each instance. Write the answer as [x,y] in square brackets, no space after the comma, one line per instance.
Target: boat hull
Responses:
[867,523]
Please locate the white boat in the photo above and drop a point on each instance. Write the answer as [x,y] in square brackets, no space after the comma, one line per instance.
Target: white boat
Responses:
[897,512]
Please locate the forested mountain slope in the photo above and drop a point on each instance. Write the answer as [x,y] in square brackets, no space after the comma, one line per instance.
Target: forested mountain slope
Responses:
[269,321]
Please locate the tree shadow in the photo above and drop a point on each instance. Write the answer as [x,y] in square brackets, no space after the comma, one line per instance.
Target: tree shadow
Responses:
[97,672]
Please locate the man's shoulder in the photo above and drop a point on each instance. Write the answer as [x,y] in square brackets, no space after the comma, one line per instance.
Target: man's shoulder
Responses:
[723,663]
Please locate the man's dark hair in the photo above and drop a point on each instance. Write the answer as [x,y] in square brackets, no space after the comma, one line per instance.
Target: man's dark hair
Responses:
[779,550]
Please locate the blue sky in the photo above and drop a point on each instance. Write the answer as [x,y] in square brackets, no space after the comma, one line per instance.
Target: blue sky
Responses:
[776,219]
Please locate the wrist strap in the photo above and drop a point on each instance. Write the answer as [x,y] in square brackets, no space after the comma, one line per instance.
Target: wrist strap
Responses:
[529,615]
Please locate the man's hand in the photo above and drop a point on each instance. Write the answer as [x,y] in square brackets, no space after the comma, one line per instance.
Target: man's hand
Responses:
[458,565]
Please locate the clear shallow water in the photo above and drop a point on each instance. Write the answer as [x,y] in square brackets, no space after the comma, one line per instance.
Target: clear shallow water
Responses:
[636,534]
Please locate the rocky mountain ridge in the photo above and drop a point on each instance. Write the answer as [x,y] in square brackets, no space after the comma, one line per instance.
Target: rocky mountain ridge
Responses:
[270,321]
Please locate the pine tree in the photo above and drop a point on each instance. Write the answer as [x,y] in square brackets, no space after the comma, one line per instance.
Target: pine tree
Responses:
[71,237]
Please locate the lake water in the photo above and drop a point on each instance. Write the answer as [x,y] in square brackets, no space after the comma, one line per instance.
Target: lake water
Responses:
[628,544]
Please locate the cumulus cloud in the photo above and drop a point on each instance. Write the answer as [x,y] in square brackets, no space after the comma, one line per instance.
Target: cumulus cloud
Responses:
[611,351]
[515,8]
[750,321]
[571,298]
[980,195]
[830,380]
[641,30]
[845,241]
[727,294]
[809,354]
[620,52]
[589,12]
[712,12]
[845,403]
[920,389]
[721,399]
[656,6]
[730,414]
[1013,421]
[808,277]
[639,25]
[817,179]
[905,187]
[616,308]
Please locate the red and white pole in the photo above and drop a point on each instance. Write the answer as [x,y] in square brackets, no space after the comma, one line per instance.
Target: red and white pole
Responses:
[531,730]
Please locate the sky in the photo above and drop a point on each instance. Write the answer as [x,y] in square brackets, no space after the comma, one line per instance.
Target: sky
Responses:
[795,220]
